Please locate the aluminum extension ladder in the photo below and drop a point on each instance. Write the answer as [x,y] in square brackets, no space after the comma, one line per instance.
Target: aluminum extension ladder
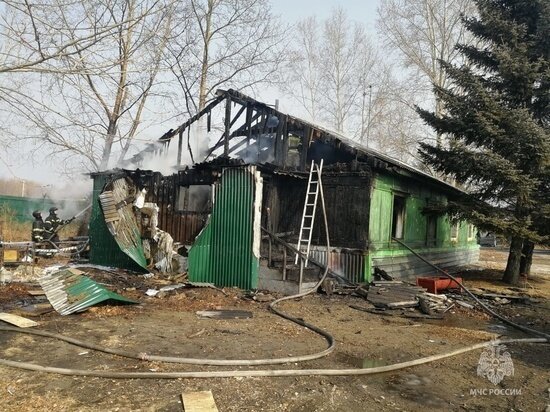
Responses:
[310,205]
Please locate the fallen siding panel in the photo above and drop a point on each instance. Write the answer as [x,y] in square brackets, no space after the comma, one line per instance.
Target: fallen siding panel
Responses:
[69,291]
[104,250]
[120,219]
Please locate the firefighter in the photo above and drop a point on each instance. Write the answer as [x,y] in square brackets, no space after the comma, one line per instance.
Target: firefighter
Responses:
[52,224]
[37,227]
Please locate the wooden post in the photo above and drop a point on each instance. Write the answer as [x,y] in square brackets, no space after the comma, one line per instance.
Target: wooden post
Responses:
[301,275]
[285,144]
[305,145]
[180,144]
[249,125]
[284,262]
[227,125]
[269,245]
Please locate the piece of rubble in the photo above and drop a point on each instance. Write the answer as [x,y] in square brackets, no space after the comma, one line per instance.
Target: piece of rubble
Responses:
[464,304]
[224,314]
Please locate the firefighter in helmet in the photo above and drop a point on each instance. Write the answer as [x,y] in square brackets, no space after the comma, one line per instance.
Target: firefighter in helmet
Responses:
[37,234]
[52,224]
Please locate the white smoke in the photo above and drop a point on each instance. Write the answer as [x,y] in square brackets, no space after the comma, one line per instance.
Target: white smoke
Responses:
[196,137]
[70,196]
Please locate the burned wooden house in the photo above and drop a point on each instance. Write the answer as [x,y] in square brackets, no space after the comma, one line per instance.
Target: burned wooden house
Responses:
[235,210]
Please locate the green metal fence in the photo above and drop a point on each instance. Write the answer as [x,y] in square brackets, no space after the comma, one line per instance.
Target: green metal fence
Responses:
[22,207]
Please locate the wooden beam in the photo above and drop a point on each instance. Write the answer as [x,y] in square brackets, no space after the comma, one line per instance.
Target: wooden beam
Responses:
[248,123]
[221,141]
[285,142]
[278,144]
[305,145]
[180,146]
[227,125]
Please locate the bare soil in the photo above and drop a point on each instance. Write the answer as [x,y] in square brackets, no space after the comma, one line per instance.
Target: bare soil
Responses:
[169,325]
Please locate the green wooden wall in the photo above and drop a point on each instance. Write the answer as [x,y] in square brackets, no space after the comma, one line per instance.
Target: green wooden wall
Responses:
[383,250]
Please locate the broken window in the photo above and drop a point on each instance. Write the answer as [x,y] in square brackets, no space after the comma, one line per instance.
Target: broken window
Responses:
[431,230]
[454,231]
[398,220]
[196,198]
[471,231]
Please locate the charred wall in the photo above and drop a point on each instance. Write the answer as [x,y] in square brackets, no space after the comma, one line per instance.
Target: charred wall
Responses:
[347,198]
[184,226]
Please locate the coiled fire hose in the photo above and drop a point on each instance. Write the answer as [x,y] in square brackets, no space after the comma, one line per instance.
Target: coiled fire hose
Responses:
[242,362]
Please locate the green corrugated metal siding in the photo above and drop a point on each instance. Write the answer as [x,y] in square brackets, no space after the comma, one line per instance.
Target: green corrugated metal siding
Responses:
[223,253]
[22,207]
[104,250]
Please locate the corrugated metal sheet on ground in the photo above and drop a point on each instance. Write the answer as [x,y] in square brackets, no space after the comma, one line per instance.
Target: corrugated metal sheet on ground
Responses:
[69,291]
[224,252]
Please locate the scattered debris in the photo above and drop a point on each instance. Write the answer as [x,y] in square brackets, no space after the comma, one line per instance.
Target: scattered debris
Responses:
[224,314]
[392,294]
[258,296]
[381,274]
[16,320]
[70,291]
[199,402]
[155,292]
[163,291]
[384,312]
[196,334]
[5,275]
[464,304]
[37,309]
[431,303]
[36,292]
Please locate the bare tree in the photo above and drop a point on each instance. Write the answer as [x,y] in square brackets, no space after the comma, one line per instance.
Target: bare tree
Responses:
[424,32]
[226,43]
[90,96]
[331,66]
[33,37]
[304,77]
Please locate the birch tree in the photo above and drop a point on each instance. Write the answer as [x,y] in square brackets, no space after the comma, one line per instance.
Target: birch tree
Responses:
[331,67]
[226,43]
[424,33]
[86,101]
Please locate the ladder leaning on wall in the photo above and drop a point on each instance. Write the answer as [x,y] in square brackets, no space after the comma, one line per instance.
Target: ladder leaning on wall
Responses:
[314,188]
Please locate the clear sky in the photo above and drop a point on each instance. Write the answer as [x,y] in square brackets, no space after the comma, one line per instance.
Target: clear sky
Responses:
[291,11]
[363,11]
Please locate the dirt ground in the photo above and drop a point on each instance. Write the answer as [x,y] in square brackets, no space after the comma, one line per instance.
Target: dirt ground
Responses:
[169,326]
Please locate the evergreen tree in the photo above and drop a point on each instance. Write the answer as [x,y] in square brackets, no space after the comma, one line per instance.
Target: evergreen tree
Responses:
[496,120]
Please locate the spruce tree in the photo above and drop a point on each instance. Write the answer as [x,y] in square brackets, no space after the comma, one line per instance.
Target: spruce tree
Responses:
[496,123]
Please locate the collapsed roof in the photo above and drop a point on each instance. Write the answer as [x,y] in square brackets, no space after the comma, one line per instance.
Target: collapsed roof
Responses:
[263,130]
